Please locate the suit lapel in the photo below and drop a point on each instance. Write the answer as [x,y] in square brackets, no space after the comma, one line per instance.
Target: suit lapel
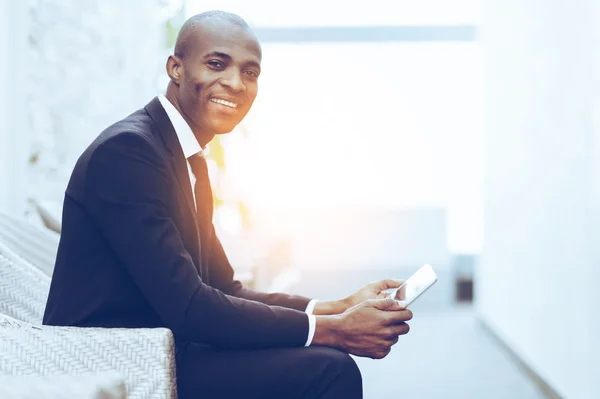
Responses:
[178,161]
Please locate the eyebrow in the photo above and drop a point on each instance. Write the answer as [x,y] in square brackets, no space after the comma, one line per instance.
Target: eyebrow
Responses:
[218,54]
[254,64]
[228,58]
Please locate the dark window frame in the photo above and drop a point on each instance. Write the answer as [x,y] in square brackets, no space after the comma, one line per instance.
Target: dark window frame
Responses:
[357,34]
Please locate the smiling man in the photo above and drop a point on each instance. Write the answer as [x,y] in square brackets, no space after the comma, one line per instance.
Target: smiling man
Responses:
[138,247]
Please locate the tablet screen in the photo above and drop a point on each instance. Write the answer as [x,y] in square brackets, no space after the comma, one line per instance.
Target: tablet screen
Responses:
[416,284]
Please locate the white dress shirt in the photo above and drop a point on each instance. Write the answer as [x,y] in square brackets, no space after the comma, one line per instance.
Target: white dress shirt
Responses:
[190,146]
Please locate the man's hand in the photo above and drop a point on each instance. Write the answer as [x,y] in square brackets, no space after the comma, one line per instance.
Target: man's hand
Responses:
[368,329]
[370,291]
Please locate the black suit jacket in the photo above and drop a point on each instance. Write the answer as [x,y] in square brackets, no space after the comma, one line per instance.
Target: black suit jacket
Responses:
[133,254]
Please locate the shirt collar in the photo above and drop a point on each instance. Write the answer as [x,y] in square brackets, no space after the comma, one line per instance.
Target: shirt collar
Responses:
[189,144]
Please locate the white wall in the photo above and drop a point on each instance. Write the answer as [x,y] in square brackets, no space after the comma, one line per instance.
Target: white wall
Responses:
[595,220]
[537,285]
[87,64]
[13,135]
[4,121]
[68,69]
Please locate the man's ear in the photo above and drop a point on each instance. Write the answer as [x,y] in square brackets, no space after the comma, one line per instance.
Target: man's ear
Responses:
[174,69]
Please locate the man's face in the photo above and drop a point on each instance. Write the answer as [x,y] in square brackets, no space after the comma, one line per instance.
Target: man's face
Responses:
[220,78]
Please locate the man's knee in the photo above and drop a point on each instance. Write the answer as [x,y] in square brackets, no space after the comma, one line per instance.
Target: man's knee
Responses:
[339,373]
[345,365]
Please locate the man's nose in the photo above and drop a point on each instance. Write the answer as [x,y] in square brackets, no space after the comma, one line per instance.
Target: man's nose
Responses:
[233,80]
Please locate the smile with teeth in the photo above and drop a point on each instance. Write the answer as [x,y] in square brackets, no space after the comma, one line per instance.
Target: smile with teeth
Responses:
[223,102]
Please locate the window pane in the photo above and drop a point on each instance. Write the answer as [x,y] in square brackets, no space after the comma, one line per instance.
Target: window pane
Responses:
[366,125]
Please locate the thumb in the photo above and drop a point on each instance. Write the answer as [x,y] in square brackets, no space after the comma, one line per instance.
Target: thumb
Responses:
[389,304]
[389,283]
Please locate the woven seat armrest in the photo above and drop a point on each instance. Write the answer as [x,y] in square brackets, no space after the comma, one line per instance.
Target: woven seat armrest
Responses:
[143,358]
[95,386]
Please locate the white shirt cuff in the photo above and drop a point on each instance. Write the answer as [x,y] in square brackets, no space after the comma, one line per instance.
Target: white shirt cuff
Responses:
[312,321]
[312,325]
[311,306]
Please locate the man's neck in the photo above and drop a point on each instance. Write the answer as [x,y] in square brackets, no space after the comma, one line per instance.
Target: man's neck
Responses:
[202,137]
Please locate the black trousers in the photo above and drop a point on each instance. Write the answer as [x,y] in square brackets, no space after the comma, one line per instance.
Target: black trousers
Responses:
[312,372]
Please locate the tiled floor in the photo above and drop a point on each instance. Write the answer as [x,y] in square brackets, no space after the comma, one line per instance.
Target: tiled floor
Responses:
[447,354]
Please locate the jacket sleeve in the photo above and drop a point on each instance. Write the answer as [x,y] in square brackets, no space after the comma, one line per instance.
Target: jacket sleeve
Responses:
[126,193]
[222,275]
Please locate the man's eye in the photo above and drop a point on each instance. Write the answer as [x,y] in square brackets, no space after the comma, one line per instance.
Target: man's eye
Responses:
[253,74]
[216,64]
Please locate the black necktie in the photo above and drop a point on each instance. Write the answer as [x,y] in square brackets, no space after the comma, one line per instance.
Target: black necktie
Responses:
[202,189]
[204,209]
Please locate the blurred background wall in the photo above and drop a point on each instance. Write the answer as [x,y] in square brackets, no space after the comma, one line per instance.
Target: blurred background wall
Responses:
[13,147]
[537,281]
[73,67]
[89,63]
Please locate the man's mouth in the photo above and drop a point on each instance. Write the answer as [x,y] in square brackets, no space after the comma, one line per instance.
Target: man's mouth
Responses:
[224,102]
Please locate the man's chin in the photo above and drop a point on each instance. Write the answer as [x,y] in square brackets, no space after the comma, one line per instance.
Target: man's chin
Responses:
[223,128]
